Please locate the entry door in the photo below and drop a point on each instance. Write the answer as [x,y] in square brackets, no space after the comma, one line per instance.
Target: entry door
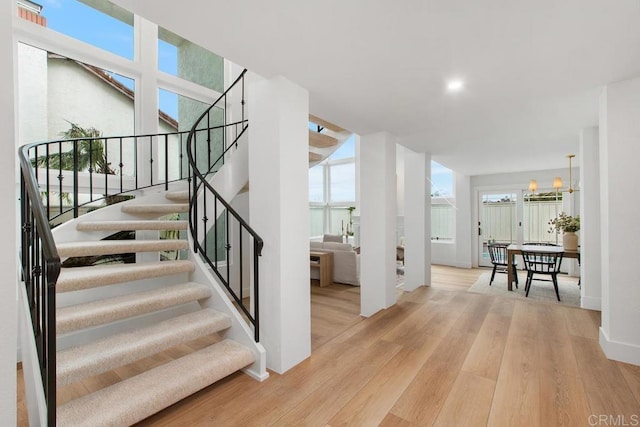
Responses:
[498,212]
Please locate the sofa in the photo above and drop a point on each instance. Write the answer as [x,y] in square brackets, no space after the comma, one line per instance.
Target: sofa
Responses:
[346,262]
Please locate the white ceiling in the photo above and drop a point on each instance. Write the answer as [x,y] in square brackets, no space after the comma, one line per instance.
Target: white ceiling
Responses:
[533,69]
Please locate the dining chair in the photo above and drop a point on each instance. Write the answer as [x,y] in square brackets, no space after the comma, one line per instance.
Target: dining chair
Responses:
[544,263]
[498,255]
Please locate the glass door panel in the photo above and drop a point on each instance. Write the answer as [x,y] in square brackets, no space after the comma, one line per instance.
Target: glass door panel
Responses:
[539,209]
[497,222]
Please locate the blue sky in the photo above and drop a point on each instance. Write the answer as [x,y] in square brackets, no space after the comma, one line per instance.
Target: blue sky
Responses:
[441,179]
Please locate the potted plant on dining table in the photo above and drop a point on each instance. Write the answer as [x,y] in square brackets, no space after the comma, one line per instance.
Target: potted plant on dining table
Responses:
[567,225]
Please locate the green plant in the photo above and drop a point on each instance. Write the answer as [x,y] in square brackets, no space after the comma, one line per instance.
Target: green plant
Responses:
[90,152]
[565,223]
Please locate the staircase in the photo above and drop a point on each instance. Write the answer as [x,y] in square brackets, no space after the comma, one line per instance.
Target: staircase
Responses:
[108,316]
[324,139]
[138,397]
[84,320]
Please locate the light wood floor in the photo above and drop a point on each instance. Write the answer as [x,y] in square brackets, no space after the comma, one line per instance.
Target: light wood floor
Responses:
[440,356]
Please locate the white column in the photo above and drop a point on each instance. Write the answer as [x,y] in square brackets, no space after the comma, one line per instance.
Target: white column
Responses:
[417,220]
[8,249]
[463,220]
[590,272]
[146,95]
[620,229]
[279,206]
[377,222]
[356,214]
[146,108]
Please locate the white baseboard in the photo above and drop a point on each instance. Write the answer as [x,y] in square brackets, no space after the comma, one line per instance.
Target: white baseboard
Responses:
[256,375]
[620,351]
[591,303]
[463,265]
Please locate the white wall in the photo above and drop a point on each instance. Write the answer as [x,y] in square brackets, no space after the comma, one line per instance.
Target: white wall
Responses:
[400,150]
[77,96]
[32,87]
[463,221]
[591,289]
[377,222]
[456,253]
[619,174]
[8,255]
[279,213]
[417,220]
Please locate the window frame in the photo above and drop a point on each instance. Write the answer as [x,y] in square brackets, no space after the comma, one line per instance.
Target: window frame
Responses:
[327,204]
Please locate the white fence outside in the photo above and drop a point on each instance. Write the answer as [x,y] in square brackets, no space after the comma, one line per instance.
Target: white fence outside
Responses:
[498,221]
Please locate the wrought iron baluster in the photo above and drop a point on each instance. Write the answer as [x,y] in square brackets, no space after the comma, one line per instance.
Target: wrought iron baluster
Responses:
[120,165]
[224,130]
[151,159]
[75,178]
[256,293]
[181,143]
[91,169]
[240,258]
[106,170]
[228,247]
[204,221]
[60,176]
[48,185]
[208,141]
[215,233]
[135,159]
[166,162]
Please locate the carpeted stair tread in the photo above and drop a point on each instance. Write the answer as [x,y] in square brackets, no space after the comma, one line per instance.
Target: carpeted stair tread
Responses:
[109,353]
[109,247]
[162,208]
[178,196]
[131,225]
[139,397]
[108,310]
[73,279]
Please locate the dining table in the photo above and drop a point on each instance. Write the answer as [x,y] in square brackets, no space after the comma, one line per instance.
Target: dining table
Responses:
[513,250]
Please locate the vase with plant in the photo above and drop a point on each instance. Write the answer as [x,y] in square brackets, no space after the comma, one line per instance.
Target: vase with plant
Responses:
[567,225]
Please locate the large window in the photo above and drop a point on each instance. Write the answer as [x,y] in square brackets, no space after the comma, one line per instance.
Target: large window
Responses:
[56,90]
[332,192]
[442,203]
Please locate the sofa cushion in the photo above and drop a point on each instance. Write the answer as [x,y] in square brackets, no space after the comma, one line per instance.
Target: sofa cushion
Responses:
[315,245]
[333,238]
[337,246]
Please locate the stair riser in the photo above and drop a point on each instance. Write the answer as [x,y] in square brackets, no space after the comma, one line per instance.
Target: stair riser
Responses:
[139,397]
[105,355]
[121,248]
[165,209]
[68,281]
[133,226]
[117,308]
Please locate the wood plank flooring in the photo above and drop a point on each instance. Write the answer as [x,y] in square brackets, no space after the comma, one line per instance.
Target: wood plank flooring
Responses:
[440,356]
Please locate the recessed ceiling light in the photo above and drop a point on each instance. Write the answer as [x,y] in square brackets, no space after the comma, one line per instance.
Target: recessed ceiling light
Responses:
[455,85]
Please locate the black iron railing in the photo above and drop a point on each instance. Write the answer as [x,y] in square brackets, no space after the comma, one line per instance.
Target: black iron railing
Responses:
[79,172]
[58,178]
[220,234]
[40,265]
